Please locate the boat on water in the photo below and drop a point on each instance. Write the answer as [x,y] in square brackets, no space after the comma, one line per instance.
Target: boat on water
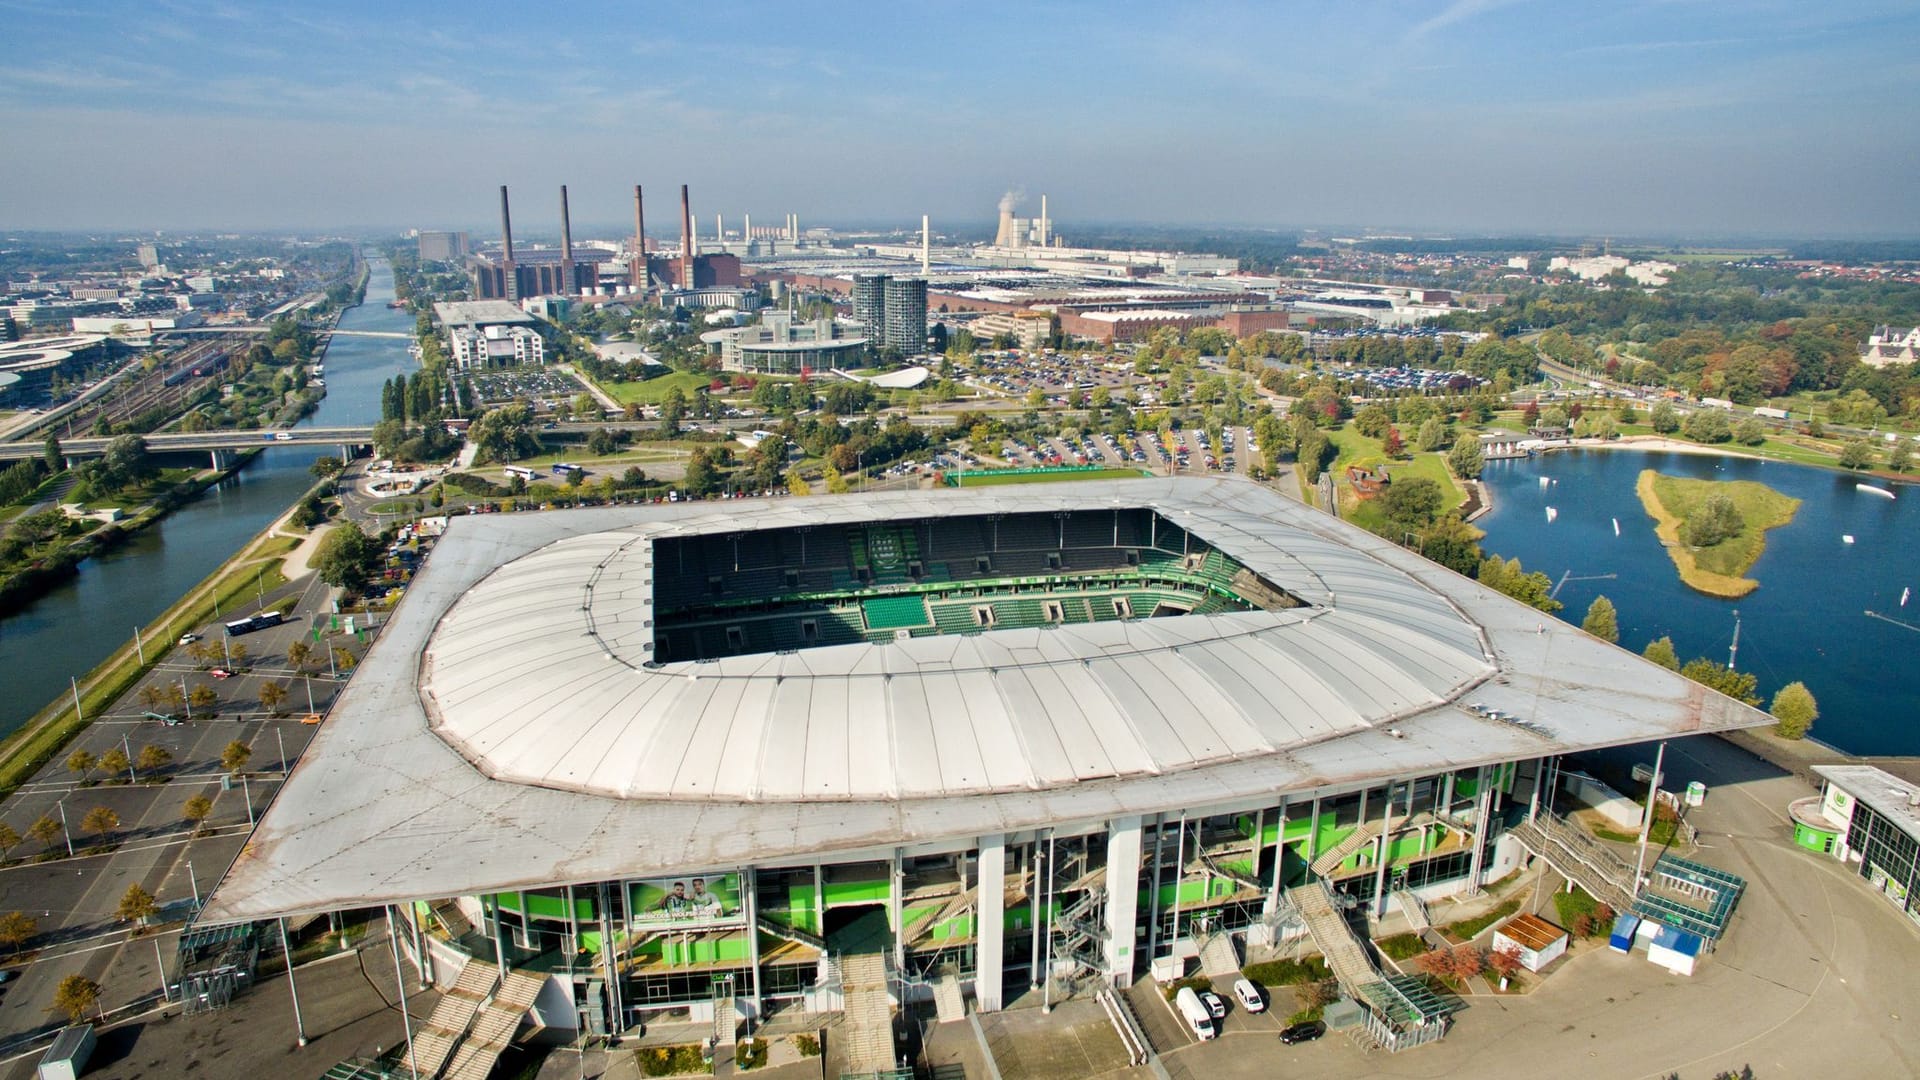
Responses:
[1871,490]
[1616,526]
[1846,538]
[1551,514]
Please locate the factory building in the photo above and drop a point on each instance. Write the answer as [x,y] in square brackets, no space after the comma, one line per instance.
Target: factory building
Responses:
[444,246]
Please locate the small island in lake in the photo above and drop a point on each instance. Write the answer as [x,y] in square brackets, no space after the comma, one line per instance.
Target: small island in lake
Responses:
[1714,529]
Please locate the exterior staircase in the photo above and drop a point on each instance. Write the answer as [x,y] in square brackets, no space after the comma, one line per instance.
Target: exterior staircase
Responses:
[451,917]
[434,1043]
[1327,925]
[791,933]
[867,1024]
[1329,860]
[949,1004]
[1580,857]
[494,1027]
[1218,959]
[1415,911]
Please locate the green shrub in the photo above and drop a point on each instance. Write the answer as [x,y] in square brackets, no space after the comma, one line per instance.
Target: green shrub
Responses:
[671,1060]
[1289,972]
[1402,946]
[1197,983]
[808,1045]
[1468,929]
[751,1054]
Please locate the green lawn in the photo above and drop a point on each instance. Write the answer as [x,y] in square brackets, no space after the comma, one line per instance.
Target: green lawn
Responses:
[1357,449]
[654,391]
[982,479]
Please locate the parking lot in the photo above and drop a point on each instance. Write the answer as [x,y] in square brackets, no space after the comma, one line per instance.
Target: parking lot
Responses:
[544,386]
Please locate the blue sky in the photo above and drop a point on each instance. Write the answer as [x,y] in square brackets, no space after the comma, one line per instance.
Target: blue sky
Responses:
[1630,118]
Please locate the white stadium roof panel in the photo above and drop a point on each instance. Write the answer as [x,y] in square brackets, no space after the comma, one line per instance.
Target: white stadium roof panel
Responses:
[510,729]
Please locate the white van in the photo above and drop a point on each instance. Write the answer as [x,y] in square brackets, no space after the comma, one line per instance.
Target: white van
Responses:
[1199,1019]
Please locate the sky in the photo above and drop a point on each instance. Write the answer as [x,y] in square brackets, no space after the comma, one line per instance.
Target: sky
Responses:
[1682,118]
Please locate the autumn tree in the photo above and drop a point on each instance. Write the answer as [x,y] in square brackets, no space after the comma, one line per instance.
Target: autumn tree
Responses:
[153,758]
[75,997]
[197,810]
[272,696]
[100,821]
[235,757]
[202,697]
[114,762]
[136,905]
[298,654]
[9,839]
[1660,651]
[16,929]
[80,763]
[44,831]
[1505,962]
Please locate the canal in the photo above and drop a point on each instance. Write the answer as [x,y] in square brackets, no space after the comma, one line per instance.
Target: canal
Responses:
[1808,621]
[74,627]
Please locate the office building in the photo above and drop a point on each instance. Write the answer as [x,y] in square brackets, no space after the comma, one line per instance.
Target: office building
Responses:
[444,246]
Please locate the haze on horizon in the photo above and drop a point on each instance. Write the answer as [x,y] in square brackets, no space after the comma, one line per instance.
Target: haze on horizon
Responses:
[1652,118]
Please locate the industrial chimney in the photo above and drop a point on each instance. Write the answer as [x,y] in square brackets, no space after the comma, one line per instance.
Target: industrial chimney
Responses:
[566,246]
[926,244]
[509,283]
[639,241]
[686,239]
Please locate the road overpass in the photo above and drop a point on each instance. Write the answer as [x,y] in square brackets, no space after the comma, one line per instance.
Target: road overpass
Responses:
[393,335]
[183,441]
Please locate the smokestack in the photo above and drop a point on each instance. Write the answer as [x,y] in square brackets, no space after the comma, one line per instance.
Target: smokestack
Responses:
[719,230]
[926,244]
[686,239]
[566,246]
[509,285]
[1043,221]
[639,240]
[746,228]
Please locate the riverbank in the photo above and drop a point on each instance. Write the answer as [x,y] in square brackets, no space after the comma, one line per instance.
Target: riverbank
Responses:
[21,588]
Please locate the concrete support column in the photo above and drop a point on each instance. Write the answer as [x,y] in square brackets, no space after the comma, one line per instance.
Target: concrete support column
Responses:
[1279,858]
[1123,898]
[896,886]
[1153,887]
[749,885]
[1483,809]
[989,929]
[1386,854]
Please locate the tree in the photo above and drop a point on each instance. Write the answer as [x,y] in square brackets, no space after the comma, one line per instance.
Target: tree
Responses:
[1714,520]
[346,556]
[797,484]
[1466,961]
[76,996]
[1412,503]
[1467,459]
[16,929]
[1900,456]
[235,756]
[137,905]
[44,831]
[505,433]
[1393,444]
[1665,418]
[51,455]
[1708,426]
[1431,436]
[272,696]
[114,762]
[197,810]
[701,476]
[1794,711]
[1504,962]
[100,821]
[153,758]
[1856,454]
[1372,421]
[202,697]
[324,466]
[1660,651]
[1602,621]
[236,654]
[298,654]
[9,839]
[80,763]
[1749,432]
[1737,685]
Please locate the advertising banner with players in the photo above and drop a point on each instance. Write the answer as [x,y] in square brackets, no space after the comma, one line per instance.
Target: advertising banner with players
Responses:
[694,900]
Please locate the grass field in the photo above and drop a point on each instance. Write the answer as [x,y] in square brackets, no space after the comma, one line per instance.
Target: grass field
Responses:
[983,479]
[1718,570]
[654,391]
[1358,449]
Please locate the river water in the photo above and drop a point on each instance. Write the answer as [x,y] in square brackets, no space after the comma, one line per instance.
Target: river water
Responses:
[1808,619]
[74,627]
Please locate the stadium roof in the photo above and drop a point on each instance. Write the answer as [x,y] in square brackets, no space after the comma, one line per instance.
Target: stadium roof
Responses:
[506,731]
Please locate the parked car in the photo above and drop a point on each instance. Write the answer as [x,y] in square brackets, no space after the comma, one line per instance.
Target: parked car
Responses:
[220,673]
[1215,1006]
[1249,995]
[188,639]
[1305,1031]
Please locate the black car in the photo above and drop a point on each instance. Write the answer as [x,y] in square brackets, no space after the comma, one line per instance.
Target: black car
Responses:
[1305,1031]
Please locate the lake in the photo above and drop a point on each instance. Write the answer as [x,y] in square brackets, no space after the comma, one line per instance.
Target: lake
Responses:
[1808,620]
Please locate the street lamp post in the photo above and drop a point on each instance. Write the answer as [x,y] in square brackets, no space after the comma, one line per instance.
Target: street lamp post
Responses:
[193,882]
[299,1026]
[65,834]
[127,749]
[140,646]
[281,738]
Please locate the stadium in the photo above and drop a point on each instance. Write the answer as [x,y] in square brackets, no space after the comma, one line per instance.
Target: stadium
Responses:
[834,754]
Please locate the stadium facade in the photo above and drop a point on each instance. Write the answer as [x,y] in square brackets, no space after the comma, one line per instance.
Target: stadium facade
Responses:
[787,753]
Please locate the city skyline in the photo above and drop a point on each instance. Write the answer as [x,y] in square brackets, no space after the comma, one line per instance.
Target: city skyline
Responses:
[1476,116]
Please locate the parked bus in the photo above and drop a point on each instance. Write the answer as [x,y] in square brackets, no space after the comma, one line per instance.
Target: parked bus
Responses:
[522,472]
[562,468]
[257,622]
